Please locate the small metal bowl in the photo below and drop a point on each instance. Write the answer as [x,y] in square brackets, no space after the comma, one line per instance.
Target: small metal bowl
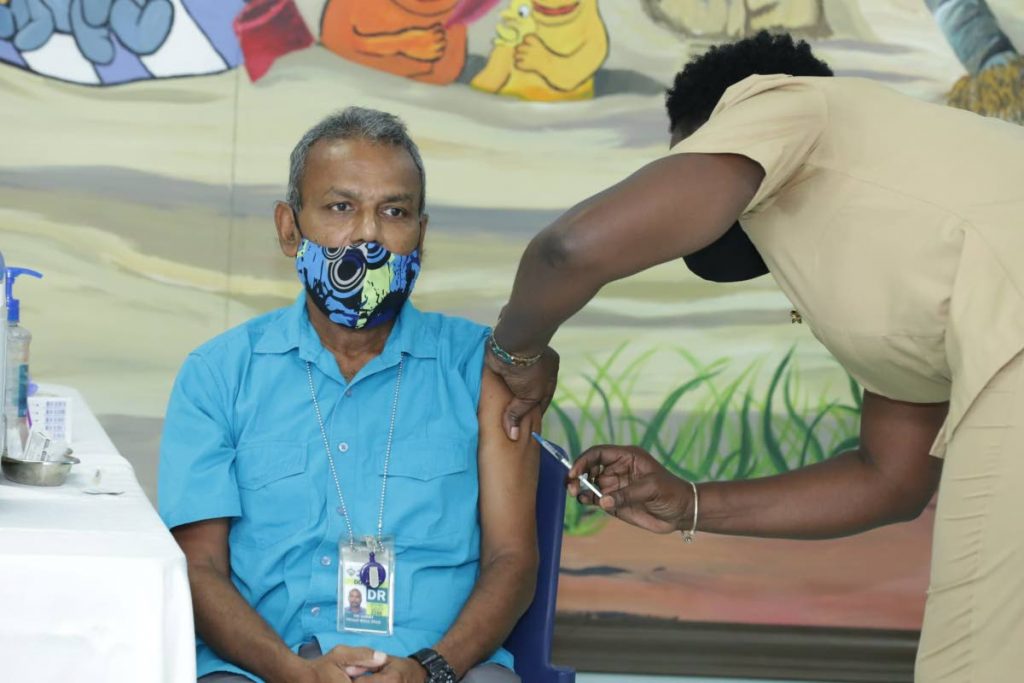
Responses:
[39,473]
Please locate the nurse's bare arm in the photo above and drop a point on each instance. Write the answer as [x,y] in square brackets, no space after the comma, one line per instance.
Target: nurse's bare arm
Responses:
[508,547]
[889,478]
[668,209]
[234,630]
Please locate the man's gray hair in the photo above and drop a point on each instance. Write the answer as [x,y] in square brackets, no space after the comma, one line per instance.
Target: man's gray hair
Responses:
[353,123]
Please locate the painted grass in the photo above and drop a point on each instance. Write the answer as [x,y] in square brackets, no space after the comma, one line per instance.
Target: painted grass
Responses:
[706,428]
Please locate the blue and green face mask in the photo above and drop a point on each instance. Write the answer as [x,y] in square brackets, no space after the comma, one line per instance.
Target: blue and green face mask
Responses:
[359,286]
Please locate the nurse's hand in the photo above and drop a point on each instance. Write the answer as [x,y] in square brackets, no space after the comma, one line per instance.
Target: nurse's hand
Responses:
[636,488]
[341,664]
[531,386]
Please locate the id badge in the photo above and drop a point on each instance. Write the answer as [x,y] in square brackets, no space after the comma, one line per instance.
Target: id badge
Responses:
[366,581]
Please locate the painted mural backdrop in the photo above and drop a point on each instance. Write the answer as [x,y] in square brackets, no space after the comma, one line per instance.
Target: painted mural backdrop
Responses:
[144,142]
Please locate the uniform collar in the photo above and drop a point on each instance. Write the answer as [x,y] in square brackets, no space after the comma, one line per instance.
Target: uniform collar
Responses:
[411,335]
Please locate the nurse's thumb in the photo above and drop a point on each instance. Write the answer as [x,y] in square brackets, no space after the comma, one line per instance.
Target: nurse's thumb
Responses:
[514,413]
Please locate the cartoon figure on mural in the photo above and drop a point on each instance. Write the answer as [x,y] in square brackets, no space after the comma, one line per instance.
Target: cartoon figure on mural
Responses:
[267,30]
[109,42]
[733,19]
[408,38]
[140,25]
[544,50]
[547,51]
[994,84]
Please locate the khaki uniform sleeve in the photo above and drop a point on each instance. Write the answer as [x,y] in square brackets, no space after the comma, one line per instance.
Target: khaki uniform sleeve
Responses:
[774,120]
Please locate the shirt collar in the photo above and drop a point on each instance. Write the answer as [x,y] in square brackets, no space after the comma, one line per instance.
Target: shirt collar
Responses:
[411,335]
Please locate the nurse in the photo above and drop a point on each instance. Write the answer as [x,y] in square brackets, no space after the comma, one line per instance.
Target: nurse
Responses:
[896,229]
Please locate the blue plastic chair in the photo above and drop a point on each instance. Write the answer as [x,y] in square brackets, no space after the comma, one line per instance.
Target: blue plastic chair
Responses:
[530,640]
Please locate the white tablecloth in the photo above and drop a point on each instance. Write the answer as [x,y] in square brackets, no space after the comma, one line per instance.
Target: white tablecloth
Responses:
[92,588]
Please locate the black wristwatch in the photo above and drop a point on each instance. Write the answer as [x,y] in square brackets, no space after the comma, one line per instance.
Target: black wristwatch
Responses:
[438,670]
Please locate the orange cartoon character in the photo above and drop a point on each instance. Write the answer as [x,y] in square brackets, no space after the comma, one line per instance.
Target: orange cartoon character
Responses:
[404,37]
[546,50]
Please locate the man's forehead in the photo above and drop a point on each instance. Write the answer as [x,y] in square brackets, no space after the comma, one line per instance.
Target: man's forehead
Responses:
[345,152]
[360,165]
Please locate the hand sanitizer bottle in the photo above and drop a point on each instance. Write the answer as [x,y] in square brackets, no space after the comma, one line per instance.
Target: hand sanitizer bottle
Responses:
[18,340]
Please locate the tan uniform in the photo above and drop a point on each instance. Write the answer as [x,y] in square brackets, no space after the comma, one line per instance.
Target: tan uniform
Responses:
[896,228]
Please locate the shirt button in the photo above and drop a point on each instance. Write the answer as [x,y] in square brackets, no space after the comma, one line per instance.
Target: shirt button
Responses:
[343,447]
[349,393]
[325,561]
[315,611]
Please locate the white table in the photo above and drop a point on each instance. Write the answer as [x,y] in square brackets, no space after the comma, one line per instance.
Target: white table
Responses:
[92,588]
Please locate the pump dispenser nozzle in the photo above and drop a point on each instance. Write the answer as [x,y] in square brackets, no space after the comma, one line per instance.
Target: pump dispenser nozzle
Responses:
[14,305]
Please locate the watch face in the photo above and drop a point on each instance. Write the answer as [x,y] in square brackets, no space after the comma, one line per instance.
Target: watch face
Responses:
[438,670]
[445,675]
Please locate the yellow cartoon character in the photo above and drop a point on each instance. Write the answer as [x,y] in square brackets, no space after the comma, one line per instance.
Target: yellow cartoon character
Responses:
[516,23]
[546,50]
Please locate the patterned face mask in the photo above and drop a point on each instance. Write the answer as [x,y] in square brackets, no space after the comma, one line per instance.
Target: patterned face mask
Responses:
[357,286]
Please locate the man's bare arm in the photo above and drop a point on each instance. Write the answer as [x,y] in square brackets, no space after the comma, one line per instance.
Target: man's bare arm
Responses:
[508,473]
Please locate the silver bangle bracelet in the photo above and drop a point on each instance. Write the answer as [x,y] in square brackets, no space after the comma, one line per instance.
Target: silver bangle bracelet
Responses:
[688,536]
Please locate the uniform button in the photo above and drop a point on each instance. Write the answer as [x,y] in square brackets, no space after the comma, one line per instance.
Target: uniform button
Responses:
[349,393]
[315,611]
[343,447]
[325,560]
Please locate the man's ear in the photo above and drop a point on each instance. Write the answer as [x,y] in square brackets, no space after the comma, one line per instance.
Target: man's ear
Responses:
[288,236]
[424,220]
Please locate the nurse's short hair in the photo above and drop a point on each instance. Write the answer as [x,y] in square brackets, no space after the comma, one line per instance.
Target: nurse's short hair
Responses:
[699,86]
[352,123]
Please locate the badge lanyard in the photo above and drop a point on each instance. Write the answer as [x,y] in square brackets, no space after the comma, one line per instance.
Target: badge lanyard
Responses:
[372,578]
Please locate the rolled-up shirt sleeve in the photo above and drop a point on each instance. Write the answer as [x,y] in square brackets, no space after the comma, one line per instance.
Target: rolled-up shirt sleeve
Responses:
[776,121]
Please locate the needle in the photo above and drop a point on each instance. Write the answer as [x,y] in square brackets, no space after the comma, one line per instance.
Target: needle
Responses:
[561,456]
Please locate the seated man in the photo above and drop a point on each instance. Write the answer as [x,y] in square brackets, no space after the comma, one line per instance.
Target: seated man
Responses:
[346,442]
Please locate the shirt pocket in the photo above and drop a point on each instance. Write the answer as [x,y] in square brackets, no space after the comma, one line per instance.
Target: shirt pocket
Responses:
[431,491]
[275,493]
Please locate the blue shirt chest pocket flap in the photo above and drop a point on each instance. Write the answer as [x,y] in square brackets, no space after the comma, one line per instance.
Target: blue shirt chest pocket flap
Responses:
[432,487]
[276,495]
